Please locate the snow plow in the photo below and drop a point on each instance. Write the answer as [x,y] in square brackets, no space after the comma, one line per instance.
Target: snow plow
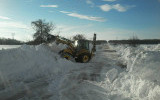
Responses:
[79,50]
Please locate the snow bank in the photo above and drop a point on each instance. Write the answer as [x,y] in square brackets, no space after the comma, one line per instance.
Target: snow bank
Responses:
[57,47]
[28,61]
[27,65]
[143,61]
[141,80]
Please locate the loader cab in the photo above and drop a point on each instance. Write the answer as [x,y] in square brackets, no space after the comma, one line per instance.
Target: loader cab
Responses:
[82,44]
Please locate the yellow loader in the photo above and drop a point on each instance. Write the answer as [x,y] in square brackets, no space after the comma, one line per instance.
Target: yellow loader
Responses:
[80,50]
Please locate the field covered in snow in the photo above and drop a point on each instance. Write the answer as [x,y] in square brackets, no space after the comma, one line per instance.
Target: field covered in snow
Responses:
[9,46]
[116,73]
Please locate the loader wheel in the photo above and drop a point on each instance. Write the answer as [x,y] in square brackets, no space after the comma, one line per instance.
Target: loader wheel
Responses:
[84,58]
[77,60]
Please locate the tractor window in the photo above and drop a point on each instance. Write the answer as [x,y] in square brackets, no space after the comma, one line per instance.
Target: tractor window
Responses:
[83,45]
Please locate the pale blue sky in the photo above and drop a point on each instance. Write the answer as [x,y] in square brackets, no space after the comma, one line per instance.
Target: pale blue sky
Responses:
[110,19]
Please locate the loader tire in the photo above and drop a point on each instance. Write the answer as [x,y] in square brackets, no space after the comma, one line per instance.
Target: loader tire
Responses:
[84,58]
[77,60]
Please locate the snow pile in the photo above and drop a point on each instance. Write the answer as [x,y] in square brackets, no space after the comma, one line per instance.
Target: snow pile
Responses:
[28,61]
[143,61]
[151,47]
[27,65]
[57,47]
[141,80]
[135,87]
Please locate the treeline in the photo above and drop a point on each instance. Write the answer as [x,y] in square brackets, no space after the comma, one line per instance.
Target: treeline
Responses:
[4,41]
[98,42]
[145,41]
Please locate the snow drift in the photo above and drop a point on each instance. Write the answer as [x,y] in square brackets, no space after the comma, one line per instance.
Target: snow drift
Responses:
[28,61]
[24,67]
[143,61]
[141,80]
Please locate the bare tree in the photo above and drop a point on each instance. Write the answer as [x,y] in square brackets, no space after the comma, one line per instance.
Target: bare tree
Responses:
[134,37]
[79,37]
[133,41]
[42,29]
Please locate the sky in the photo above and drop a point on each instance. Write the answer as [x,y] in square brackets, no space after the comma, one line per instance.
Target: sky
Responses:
[109,19]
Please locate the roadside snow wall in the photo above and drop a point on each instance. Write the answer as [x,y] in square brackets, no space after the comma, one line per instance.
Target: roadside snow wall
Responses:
[26,65]
[141,81]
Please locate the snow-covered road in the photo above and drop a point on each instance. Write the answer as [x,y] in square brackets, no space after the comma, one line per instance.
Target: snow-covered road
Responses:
[83,83]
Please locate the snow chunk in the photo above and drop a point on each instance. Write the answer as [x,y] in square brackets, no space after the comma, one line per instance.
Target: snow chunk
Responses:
[112,75]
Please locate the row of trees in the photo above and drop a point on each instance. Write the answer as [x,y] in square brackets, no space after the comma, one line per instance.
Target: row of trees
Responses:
[135,43]
[8,41]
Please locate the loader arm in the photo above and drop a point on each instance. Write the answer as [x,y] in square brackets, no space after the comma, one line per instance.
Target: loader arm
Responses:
[68,43]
